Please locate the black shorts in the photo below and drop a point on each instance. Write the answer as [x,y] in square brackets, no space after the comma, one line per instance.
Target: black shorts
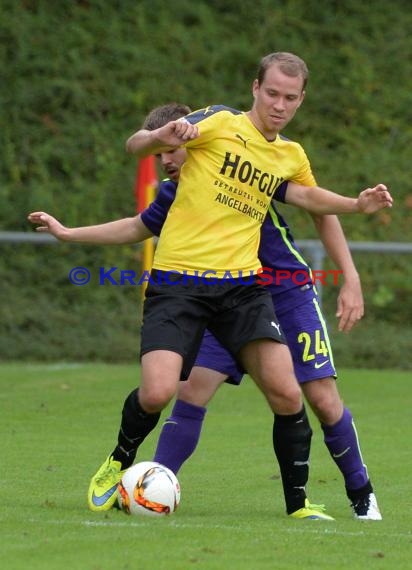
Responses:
[177,312]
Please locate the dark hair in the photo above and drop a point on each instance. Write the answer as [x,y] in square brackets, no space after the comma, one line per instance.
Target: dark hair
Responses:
[289,63]
[159,116]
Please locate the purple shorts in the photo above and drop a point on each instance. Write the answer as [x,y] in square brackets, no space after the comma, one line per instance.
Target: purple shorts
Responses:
[306,335]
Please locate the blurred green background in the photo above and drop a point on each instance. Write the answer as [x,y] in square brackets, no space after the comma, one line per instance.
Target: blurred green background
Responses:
[78,77]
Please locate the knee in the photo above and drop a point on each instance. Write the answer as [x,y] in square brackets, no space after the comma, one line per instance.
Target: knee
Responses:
[154,398]
[285,399]
[327,409]
[160,378]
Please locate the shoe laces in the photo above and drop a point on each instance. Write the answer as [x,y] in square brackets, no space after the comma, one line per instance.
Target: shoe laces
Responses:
[313,507]
[108,474]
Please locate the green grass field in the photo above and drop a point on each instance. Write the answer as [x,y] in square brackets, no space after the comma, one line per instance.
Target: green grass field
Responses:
[58,423]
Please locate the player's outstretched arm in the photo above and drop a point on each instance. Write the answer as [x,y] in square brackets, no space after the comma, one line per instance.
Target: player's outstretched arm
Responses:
[350,303]
[172,135]
[119,232]
[321,201]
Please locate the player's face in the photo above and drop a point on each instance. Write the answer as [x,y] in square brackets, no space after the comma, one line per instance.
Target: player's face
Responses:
[172,162]
[277,99]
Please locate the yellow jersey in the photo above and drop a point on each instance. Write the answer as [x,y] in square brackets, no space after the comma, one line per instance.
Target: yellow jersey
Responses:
[225,188]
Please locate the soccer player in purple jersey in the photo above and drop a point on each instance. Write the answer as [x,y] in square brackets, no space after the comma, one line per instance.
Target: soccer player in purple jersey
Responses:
[127,442]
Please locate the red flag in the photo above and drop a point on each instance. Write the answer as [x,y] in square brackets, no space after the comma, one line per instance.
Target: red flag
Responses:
[145,186]
[146,182]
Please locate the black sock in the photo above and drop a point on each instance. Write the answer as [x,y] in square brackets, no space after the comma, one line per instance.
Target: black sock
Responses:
[291,442]
[355,495]
[136,425]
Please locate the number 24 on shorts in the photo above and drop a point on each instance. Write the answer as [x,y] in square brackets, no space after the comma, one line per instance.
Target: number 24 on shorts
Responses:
[311,343]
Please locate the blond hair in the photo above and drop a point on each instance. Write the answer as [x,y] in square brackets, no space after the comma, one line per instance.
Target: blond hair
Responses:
[289,63]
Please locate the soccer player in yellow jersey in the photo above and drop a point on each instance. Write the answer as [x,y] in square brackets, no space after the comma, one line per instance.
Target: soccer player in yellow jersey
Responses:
[206,263]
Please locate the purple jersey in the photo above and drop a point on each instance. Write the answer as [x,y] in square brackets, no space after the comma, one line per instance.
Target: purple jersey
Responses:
[295,300]
[155,214]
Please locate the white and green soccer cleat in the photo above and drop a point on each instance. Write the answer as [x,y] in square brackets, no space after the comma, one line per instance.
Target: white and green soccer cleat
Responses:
[103,492]
[311,512]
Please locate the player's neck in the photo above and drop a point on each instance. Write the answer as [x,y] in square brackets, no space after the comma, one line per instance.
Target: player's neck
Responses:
[269,135]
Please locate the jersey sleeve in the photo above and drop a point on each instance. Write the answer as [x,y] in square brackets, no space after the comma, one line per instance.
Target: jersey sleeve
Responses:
[280,193]
[303,176]
[209,120]
[155,215]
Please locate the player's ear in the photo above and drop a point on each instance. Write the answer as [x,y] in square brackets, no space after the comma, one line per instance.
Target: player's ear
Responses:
[255,87]
[302,96]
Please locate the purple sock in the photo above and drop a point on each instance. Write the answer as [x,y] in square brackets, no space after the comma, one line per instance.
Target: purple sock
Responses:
[180,435]
[342,441]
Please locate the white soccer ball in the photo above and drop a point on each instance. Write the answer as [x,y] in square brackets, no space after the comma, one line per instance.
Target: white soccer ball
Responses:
[149,488]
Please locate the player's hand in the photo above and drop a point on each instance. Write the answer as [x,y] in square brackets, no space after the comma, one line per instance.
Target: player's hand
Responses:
[374,199]
[350,305]
[47,224]
[175,133]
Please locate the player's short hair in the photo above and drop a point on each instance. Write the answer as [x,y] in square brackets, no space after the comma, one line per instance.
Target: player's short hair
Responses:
[160,116]
[289,63]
